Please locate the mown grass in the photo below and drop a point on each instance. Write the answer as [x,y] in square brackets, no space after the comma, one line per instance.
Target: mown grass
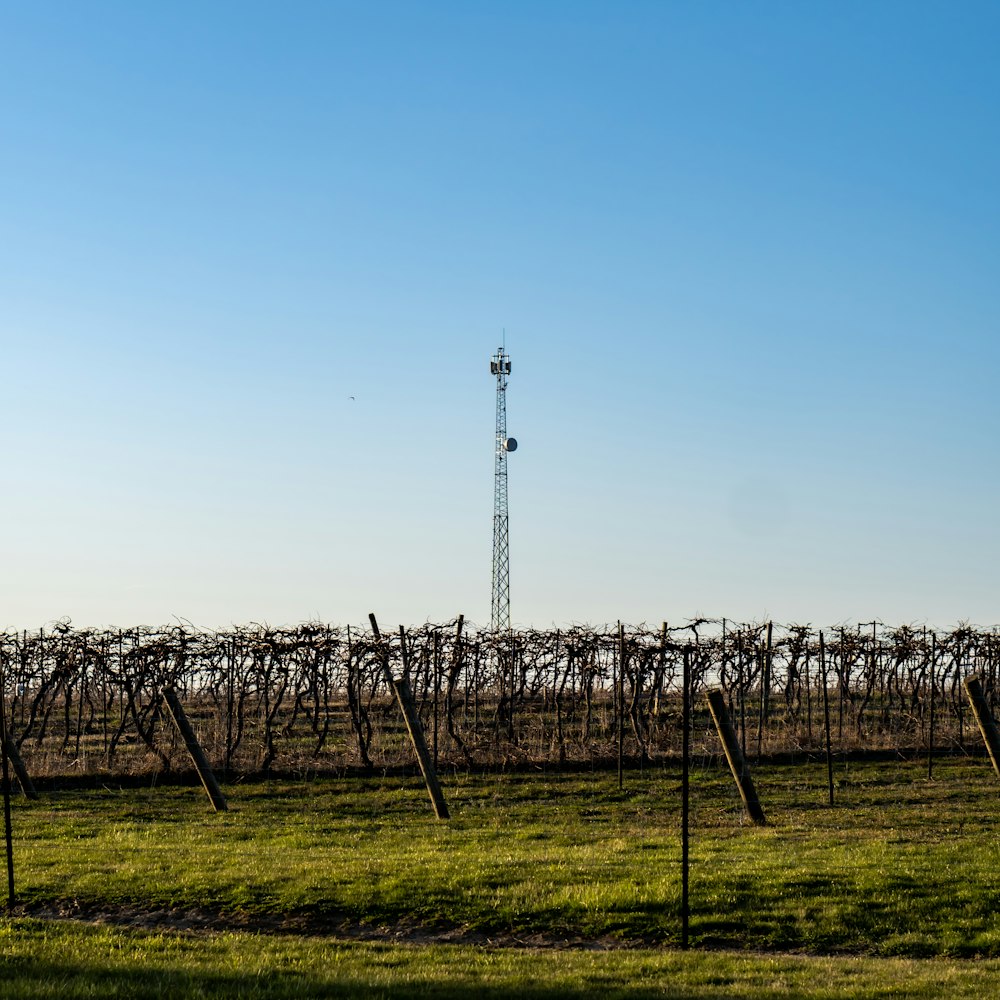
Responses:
[44,960]
[901,866]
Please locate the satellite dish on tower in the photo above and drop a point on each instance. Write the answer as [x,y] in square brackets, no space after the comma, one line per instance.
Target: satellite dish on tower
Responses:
[510,444]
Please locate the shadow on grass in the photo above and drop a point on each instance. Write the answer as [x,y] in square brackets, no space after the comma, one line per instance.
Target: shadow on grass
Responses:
[29,980]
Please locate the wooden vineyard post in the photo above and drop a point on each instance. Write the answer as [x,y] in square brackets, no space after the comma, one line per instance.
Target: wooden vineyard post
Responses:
[11,754]
[401,688]
[809,704]
[23,778]
[416,731]
[984,717]
[765,690]
[201,764]
[826,717]
[737,762]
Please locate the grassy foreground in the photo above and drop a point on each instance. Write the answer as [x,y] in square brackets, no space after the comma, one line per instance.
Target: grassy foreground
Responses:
[58,960]
[895,891]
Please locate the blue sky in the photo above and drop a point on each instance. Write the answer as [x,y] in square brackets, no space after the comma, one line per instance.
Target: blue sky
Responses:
[745,256]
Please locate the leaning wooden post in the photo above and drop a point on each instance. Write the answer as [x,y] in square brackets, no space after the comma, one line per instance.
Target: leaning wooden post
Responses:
[23,778]
[404,698]
[737,763]
[984,717]
[194,749]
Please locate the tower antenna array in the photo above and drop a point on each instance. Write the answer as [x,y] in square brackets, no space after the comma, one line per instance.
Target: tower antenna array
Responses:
[500,605]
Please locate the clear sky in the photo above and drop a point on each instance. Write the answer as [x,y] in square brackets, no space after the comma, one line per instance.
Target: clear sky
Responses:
[747,257]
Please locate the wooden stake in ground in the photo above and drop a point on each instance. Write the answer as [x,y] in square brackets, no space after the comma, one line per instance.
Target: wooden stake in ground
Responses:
[23,778]
[404,698]
[984,717]
[737,762]
[826,717]
[765,690]
[201,764]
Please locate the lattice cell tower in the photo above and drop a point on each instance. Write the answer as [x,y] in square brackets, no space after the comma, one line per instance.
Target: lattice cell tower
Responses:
[500,607]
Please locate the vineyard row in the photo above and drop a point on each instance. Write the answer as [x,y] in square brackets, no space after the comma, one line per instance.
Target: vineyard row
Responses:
[316,697]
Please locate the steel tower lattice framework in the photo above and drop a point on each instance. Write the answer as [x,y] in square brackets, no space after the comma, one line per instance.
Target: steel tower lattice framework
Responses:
[500,605]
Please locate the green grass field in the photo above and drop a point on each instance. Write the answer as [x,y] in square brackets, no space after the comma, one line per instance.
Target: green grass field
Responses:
[540,885]
[61,961]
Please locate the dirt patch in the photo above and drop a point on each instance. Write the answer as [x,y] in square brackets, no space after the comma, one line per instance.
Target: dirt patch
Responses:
[201,920]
